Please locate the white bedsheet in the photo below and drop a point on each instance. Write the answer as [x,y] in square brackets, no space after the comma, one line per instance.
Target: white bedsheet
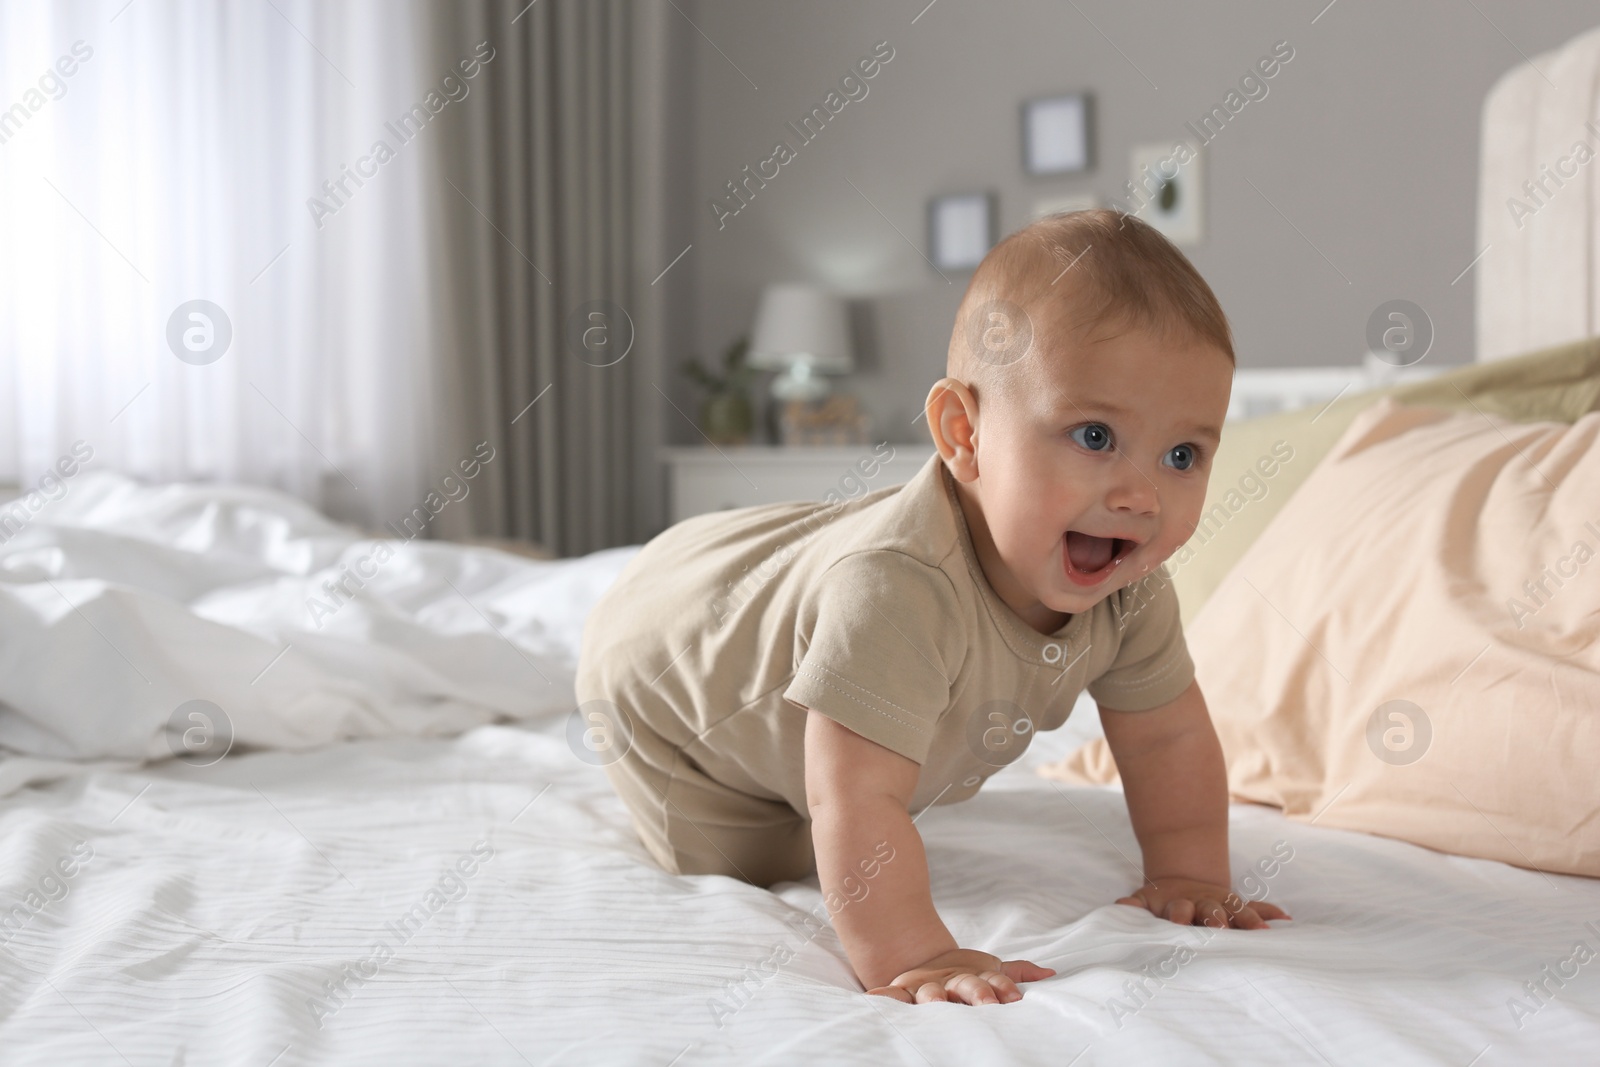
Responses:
[219,908]
[219,901]
[120,603]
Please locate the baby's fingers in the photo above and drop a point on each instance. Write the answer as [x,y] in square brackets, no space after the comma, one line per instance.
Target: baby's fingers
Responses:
[893,992]
[1003,986]
[1025,971]
[970,989]
[1180,911]
[1269,911]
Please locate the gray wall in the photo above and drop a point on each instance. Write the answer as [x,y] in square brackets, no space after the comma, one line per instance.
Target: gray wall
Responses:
[1367,142]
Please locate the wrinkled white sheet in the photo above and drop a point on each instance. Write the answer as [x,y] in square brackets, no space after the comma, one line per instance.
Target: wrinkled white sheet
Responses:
[248,913]
[121,602]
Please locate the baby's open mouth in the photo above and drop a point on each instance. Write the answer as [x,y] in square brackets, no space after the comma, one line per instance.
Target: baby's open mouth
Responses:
[1089,560]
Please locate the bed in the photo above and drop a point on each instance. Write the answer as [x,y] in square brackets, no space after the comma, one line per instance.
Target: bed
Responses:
[385,850]
[1536,269]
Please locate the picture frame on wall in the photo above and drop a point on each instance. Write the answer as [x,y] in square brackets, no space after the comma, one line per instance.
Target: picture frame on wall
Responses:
[961,229]
[1176,193]
[1058,134]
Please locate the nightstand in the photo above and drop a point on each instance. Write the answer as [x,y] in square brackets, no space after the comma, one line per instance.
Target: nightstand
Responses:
[702,478]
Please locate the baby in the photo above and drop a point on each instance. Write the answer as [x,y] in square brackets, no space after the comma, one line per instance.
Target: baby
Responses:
[786,687]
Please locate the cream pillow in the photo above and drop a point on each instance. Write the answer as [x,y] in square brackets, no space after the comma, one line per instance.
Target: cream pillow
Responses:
[1261,462]
[1412,646]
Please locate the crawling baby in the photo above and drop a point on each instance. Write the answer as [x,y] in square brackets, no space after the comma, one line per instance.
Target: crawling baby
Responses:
[796,682]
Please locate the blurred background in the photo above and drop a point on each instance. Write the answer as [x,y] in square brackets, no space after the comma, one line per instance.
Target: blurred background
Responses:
[343,249]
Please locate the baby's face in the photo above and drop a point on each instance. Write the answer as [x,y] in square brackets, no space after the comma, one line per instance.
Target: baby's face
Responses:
[1090,479]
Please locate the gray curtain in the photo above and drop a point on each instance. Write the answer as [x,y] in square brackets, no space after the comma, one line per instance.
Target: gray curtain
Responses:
[535,205]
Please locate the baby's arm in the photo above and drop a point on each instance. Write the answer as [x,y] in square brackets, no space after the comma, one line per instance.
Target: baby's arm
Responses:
[858,793]
[1177,789]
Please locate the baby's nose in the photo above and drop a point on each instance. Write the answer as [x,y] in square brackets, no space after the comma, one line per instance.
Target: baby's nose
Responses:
[1133,491]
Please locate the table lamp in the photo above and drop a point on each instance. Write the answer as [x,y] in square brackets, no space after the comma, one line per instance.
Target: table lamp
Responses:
[805,333]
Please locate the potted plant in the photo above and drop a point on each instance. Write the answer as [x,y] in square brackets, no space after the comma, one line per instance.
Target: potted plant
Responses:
[725,416]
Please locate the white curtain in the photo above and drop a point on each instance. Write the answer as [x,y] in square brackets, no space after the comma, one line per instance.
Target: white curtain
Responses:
[175,163]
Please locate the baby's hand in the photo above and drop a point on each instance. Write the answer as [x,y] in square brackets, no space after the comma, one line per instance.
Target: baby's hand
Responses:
[1191,903]
[965,976]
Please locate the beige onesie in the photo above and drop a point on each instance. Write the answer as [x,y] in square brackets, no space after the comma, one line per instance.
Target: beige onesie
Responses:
[703,657]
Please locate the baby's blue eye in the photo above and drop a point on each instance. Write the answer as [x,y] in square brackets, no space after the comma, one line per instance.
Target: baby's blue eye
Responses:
[1182,457]
[1094,436]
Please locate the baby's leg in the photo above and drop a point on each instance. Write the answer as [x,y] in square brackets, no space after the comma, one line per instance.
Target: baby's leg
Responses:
[693,824]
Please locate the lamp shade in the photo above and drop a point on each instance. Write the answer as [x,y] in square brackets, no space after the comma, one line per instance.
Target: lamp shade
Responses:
[801,324]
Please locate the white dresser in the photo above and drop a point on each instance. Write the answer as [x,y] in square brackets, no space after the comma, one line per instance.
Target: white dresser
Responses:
[702,478]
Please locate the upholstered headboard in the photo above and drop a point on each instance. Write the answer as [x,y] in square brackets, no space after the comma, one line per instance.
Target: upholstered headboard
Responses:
[1538,282]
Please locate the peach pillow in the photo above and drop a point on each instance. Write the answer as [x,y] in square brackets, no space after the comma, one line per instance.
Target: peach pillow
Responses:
[1412,646]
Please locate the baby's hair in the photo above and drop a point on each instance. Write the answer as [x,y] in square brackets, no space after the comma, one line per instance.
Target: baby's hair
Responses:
[1083,270]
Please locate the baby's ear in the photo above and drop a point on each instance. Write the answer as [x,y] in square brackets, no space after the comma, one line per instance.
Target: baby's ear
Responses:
[952,412]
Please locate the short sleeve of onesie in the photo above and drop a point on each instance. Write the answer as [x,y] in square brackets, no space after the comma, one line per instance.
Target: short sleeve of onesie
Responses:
[885,646]
[1152,666]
